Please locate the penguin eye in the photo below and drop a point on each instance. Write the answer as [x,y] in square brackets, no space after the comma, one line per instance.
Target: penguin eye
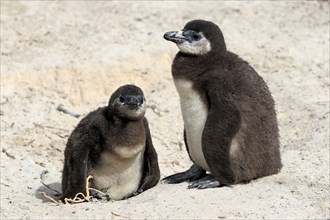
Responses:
[121,99]
[196,37]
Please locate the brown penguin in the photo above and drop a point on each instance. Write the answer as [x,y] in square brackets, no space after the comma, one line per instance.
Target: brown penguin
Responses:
[230,125]
[114,145]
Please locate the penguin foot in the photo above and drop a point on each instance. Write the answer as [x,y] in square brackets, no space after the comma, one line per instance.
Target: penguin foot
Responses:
[195,172]
[101,197]
[206,182]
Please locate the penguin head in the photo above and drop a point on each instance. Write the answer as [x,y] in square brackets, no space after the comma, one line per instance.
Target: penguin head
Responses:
[198,37]
[128,102]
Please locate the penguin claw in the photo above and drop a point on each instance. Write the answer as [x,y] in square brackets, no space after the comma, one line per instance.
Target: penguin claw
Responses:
[193,185]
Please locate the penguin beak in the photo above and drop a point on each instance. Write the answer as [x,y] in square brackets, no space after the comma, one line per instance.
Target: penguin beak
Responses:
[175,36]
[134,102]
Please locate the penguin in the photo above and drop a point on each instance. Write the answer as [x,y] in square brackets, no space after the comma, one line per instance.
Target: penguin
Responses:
[230,125]
[114,145]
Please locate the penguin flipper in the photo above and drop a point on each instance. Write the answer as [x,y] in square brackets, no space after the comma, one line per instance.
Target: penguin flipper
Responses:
[193,173]
[76,162]
[151,172]
[223,122]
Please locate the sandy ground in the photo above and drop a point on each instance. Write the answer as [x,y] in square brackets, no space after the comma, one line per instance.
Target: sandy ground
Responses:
[77,53]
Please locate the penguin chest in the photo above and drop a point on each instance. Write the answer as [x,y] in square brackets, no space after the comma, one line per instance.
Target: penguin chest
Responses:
[119,172]
[194,113]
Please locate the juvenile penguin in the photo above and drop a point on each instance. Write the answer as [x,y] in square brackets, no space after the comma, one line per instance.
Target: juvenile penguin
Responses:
[230,125]
[114,145]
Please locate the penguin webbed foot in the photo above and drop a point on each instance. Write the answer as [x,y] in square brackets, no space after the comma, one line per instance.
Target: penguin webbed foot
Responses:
[102,197]
[195,172]
[208,181]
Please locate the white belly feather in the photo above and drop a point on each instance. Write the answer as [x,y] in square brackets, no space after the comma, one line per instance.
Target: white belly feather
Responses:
[119,173]
[194,113]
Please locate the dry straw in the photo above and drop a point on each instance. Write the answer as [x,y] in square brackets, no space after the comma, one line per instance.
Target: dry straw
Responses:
[80,197]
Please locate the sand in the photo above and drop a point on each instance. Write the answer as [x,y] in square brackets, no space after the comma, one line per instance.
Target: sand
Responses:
[76,53]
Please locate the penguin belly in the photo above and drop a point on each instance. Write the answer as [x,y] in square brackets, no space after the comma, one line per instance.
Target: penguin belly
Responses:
[194,113]
[118,176]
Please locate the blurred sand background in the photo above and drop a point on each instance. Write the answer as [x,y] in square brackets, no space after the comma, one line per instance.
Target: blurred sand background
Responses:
[76,53]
